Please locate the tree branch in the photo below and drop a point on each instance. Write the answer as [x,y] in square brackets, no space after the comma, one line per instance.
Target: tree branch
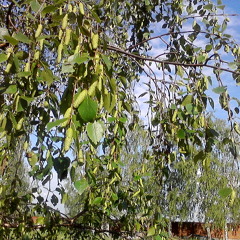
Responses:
[210,15]
[8,19]
[143,58]
[75,226]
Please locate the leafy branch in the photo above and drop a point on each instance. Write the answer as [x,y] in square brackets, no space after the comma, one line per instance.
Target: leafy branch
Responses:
[143,58]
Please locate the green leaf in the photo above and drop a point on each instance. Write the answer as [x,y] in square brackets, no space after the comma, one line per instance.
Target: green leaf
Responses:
[77,58]
[97,200]
[189,108]
[232,65]
[147,2]
[111,119]
[181,134]
[187,100]
[201,58]
[180,71]
[73,173]
[199,156]
[47,76]
[95,131]
[151,231]
[96,17]
[28,99]
[21,55]
[22,38]
[208,48]
[11,40]
[49,9]
[50,125]
[107,61]
[114,196]
[122,119]
[219,90]
[3,57]
[221,7]
[33,159]
[23,74]
[208,6]
[225,192]
[36,7]
[67,68]
[46,36]
[88,109]
[40,220]
[11,89]
[81,185]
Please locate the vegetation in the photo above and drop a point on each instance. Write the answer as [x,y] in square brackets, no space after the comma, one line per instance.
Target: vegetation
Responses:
[69,72]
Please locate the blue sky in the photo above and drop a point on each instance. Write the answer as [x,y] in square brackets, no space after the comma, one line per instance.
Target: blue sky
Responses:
[234,4]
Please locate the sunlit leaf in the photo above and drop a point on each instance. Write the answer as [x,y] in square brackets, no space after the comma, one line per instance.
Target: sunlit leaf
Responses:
[187,99]
[58,122]
[3,57]
[11,89]
[151,231]
[95,132]
[11,40]
[78,58]
[225,192]
[81,185]
[36,7]
[97,200]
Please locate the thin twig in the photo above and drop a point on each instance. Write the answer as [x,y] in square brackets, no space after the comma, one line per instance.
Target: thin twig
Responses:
[211,15]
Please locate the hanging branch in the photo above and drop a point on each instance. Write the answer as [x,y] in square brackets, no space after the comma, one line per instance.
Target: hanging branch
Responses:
[143,58]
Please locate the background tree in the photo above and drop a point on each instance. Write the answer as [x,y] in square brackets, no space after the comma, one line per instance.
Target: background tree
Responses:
[68,71]
[204,188]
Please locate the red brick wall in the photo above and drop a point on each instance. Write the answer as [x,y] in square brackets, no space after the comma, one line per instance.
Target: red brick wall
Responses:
[193,228]
[188,228]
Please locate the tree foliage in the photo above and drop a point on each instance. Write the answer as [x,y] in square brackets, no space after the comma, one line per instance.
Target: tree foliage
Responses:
[207,191]
[68,74]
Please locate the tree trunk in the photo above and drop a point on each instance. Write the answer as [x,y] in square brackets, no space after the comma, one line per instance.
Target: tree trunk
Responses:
[170,228]
[209,237]
[226,232]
